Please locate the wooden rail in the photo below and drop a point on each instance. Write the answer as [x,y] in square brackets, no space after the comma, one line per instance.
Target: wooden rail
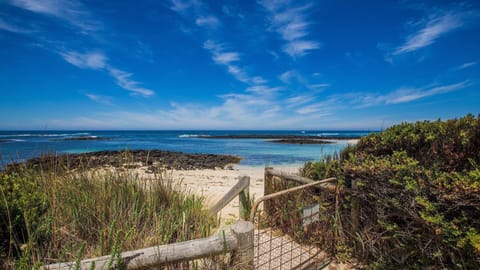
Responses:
[237,238]
[321,184]
[271,174]
[241,190]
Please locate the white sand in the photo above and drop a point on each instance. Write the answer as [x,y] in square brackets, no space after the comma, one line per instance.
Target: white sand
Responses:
[213,184]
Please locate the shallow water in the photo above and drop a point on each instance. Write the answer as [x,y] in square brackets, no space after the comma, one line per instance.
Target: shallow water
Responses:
[21,145]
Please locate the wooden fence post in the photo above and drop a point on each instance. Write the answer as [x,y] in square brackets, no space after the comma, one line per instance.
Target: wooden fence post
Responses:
[268,188]
[244,206]
[243,230]
[355,208]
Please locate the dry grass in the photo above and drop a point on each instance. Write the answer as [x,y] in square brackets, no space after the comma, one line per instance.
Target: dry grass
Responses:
[51,215]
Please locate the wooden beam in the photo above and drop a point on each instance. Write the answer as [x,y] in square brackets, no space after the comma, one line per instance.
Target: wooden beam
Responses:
[239,236]
[321,184]
[242,184]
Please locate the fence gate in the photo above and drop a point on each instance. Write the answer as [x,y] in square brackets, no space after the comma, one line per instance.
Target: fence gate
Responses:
[293,227]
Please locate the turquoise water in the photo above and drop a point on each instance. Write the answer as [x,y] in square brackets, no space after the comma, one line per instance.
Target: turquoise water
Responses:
[21,145]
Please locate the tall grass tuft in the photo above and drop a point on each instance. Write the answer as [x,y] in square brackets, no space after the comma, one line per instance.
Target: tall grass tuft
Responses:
[50,214]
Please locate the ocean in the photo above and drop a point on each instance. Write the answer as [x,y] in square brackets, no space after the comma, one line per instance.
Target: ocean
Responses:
[21,145]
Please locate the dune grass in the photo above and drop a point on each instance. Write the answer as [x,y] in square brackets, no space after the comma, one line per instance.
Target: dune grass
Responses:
[49,215]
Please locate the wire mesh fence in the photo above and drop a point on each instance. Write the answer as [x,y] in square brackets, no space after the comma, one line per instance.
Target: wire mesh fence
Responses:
[294,226]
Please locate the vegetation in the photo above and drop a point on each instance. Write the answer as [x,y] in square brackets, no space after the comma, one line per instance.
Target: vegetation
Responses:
[418,186]
[51,214]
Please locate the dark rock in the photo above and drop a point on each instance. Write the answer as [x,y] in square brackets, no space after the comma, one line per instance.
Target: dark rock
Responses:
[302,141]
[126,159]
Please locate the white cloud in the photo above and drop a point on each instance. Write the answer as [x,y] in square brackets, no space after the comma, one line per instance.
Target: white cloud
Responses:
[466,65]
[124,80]
[263,90]
[435,27]
[238,73]
[225,58]
[287,76]
[405,94]
[222,57]
[318,86]
[13,28]
[69,10]
[299,48]
[293,77]
[291,24]
[98,61]
[100,99]
[296,101]
[91,60]
[258,107]
[321,108]
[207,21]
[293,30]
[258,80]
[180,6]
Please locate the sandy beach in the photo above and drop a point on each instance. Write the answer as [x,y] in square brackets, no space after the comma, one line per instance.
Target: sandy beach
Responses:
[214,183]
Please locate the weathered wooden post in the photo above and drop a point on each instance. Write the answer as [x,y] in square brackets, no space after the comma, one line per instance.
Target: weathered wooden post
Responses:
[241,186]
[268,189]
[355,208]
[243,257]
[244,206]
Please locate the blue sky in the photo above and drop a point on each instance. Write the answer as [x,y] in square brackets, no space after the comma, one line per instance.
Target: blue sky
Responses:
[195,64]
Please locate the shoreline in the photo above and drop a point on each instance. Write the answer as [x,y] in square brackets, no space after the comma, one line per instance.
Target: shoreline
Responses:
[207,175]
[213,184]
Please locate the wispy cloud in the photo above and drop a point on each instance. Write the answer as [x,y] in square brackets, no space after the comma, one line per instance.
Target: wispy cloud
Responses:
[405,94]
[287,76]
[466,65]
[208,22]
[221,52]
[98,61]
[224,57]
[91,60]
[4,25]
[264,90]
[317,108]
[296,101]
[318,86]
[298,48]
[71,11]
[292,25]
[100,99]
[430,30]
[294,77]
[124,80]
[183,5]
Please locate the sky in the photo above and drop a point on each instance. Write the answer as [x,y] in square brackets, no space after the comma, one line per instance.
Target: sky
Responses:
[197,64]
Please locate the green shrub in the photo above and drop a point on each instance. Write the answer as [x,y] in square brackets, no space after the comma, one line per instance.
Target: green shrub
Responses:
[418,186]
[22,208]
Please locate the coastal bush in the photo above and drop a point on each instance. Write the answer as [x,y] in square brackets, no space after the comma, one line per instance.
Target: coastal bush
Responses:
[58,214]
[418,187]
